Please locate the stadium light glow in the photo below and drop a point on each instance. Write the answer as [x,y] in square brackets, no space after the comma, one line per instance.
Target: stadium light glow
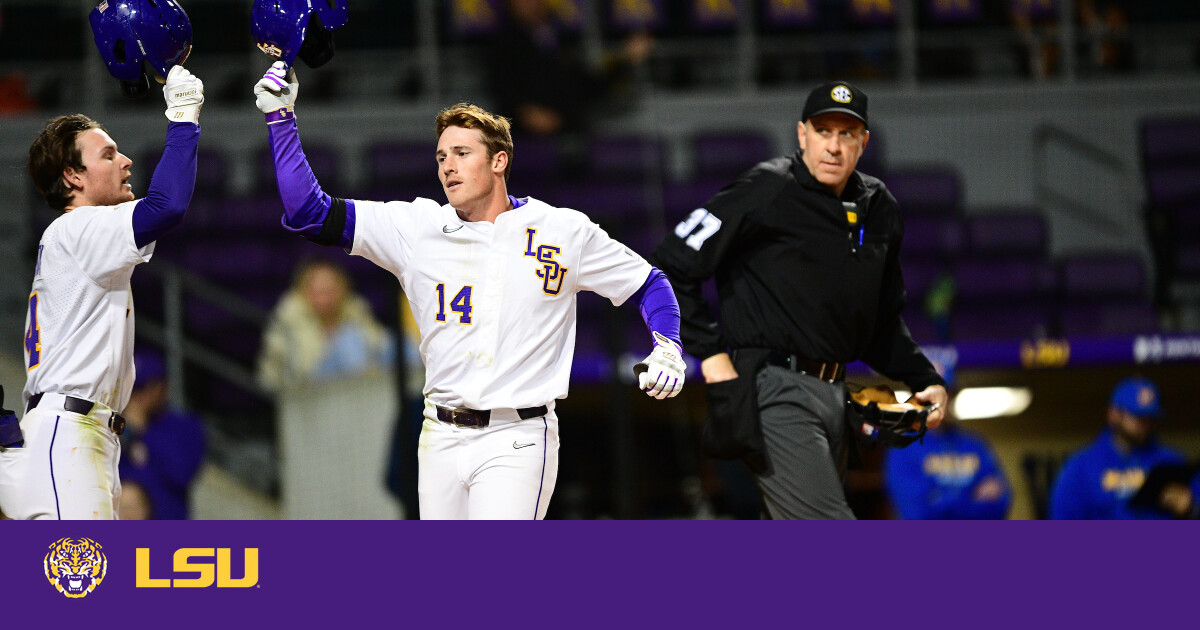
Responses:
[976,403]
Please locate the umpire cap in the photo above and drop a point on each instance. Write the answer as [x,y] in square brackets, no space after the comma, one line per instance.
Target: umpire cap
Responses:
[838,96]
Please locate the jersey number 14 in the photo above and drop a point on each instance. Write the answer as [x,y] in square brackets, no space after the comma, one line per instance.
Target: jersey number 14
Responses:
[461,304]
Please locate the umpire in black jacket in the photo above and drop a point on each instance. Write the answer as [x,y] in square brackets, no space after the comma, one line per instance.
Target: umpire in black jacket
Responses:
[805,251]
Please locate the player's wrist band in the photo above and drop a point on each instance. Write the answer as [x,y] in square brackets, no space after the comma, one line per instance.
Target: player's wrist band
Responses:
[280,115]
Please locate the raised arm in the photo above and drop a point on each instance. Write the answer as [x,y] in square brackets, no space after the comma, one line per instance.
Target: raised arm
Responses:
[174,178]
[307,210]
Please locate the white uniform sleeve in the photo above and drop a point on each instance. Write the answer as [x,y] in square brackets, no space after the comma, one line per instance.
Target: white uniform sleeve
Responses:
[610,268]
[380,233]
[101,240]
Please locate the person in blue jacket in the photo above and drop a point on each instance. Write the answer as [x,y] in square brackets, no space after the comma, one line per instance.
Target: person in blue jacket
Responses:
[1098,481]
[951,474]
[163,447]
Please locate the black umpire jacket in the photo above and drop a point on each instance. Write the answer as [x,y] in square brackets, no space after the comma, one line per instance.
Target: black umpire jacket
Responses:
[798,270]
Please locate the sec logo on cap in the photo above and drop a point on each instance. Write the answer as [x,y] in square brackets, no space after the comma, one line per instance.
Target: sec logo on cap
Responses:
[841,94]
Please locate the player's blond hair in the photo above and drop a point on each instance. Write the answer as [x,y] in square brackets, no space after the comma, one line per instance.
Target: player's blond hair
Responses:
[496,130]
[55,150]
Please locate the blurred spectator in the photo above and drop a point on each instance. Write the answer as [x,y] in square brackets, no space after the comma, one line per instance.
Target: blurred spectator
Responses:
[1036,23]
[135,504]
[1106,26]
[161,449]
[951,474]
[402,460]
[321,330]
[544,82]
[14,95]
[1097,482]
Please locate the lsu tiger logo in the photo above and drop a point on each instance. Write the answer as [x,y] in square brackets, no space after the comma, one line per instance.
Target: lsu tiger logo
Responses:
[75,566]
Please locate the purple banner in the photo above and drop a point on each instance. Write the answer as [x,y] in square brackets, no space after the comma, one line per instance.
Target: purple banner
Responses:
[636,15]
[715,15]
[476,17]
[704,574]
[873,12]
[954,11]
[790,12]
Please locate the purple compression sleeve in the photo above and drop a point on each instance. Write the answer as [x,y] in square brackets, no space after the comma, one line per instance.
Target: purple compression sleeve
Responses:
[171,186]
[305,205]
[656,301]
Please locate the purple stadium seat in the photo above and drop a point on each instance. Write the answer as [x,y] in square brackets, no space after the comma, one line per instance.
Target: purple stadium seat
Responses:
[536,157]
[1187,261]
[924,191]
[920,327]
[681,198]
[872,162]
[212,170]
[325,161]
[726,154]
[1095,277]
[1169,141]
[1100,320]
[1007,321]
[392,163]
[1173,185]
[1002,280]
[626,156]
[919,276]
[998,234]
[933,237]
[261,212]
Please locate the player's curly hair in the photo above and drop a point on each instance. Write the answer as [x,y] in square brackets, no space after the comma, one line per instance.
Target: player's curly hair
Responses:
[496,130]
[54,151]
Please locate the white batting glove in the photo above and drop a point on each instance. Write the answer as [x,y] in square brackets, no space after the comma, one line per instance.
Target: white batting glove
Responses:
[660,375]
[184,94]
[277,89]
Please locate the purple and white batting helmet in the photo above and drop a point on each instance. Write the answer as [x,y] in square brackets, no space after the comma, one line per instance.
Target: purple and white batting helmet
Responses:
[286,29]
[141,38]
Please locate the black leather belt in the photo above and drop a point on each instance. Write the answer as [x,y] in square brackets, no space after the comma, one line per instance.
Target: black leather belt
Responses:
[478,419]
[830,372]
[83,408]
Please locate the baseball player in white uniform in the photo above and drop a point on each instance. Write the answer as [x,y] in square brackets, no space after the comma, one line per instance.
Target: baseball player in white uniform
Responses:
[79,327]
[492,282]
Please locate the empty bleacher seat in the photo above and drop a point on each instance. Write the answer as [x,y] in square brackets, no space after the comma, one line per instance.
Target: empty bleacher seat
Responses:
[926,190]
[1095,277]
[1004,233]
[726,154]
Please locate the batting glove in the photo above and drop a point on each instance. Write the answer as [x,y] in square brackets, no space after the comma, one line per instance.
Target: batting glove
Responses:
[184,94]
[275,93]
[660,375]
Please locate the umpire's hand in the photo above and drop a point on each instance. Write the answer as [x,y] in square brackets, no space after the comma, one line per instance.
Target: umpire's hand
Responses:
[660,375]
[277,89]
[930,395]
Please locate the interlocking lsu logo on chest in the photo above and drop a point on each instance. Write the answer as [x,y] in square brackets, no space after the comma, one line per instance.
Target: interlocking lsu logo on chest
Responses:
[551,273]
[75,566]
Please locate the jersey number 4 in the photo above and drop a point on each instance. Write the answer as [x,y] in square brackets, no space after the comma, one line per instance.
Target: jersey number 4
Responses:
[33,336]
[461,304]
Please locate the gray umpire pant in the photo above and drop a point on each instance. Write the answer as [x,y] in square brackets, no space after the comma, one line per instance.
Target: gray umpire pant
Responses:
[805,436]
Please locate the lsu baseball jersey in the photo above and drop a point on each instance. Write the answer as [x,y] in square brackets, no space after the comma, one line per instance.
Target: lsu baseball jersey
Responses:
[495,302]
[79,326]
